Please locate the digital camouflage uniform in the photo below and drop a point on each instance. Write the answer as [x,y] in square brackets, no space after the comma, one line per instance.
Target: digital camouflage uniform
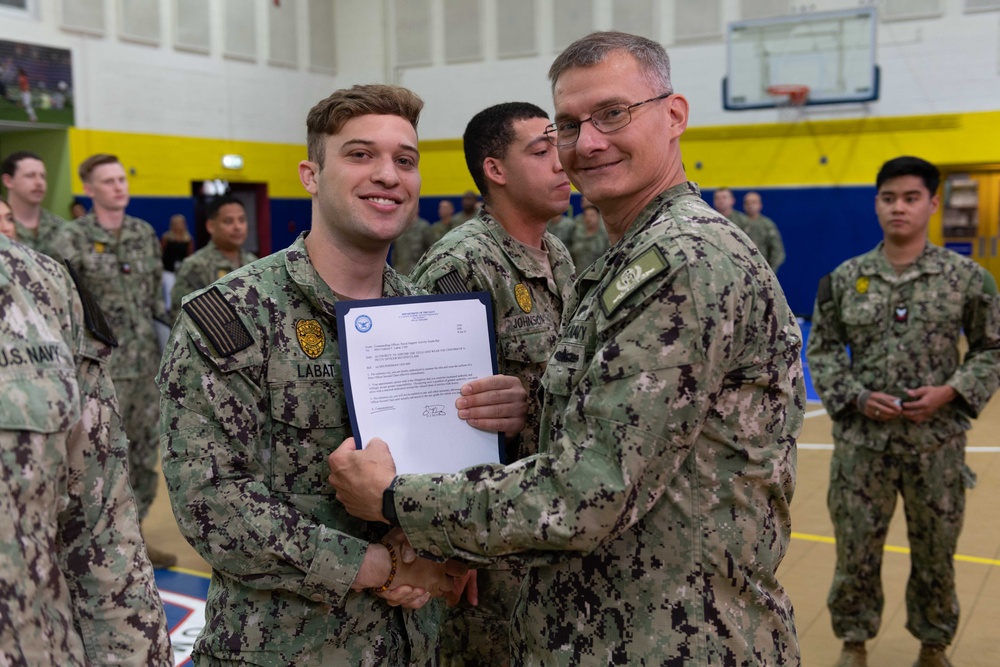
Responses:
[765,235]
[124,274]
[437,231]
[410,246]
[903,332]
[461,217]
[527,308]
[586,248]
[563,229]
[253,403]
[77,588]
[46,237]
[202,269]
[657,511]
[738,218]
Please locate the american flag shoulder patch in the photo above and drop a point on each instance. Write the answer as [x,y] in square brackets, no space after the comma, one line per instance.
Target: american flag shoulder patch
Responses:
[450,283]
[219,322]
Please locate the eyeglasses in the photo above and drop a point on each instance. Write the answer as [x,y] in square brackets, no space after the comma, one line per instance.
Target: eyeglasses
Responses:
[606,120]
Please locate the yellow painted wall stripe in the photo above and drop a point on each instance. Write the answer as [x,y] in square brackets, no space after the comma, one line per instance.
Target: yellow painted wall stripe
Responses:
[802,153]
[805,537]
[791,153]
[165,166]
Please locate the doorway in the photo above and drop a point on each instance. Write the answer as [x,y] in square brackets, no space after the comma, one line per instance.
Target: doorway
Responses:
[254,199]
[969,213]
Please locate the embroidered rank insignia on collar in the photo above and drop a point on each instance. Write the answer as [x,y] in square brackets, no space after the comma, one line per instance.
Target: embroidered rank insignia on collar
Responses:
[861,284]
[221,272]
[99,247]
[218,321]
[450,283]
[309,333]
[646,266]
[523,297]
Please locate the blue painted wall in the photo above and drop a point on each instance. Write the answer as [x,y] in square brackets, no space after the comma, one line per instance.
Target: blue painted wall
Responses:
[821,227]
[289,218]
[155,210]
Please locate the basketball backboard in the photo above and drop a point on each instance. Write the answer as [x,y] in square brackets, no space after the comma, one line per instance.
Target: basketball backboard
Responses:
[831,52]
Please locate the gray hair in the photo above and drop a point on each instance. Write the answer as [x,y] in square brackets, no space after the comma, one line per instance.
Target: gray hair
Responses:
[595,47]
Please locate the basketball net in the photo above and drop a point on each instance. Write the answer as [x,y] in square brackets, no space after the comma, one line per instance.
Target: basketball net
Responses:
[794,98]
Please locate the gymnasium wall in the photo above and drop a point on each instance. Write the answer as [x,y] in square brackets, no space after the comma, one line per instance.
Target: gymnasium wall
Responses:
[171,112]
[816,177]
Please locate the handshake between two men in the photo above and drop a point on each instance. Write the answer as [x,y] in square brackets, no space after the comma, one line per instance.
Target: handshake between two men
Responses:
[392,569]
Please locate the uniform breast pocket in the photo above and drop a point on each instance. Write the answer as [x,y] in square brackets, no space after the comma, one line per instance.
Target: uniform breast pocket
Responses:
[37,400]
[145,266]
[566,368]
[939,319]
[527,348]
[98,265]
[309,422]
[864,319]
[863,312]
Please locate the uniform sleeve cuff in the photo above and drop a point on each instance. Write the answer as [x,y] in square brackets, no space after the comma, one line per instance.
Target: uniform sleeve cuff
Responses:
[420,518]
[334,567]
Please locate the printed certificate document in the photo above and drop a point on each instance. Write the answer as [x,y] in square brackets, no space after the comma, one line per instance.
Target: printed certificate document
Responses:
[404,361]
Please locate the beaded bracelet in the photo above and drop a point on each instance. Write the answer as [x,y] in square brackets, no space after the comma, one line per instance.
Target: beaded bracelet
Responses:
[392,569]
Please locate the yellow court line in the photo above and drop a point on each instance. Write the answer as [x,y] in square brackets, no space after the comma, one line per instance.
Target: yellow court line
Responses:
[896,550]
[184,570]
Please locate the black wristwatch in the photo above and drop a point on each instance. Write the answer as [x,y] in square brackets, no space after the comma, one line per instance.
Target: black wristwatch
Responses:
[389,503]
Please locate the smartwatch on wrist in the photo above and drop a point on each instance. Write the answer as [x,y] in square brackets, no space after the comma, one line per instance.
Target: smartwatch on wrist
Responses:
[389,503]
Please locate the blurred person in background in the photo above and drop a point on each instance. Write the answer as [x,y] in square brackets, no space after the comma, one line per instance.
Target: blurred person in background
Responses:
[227,228]
[590,239]
[26,181]
[445,223]
[176,244]
[119,259]
[410,246]
[470,208]
[762,231]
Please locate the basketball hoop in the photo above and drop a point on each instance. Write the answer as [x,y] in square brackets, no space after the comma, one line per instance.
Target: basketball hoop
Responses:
[796,94]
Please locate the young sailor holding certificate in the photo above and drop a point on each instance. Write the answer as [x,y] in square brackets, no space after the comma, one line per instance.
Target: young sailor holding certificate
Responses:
[246,431]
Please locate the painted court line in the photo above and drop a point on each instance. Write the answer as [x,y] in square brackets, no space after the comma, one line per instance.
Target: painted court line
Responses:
[196,573]
[806,537]
[814,413]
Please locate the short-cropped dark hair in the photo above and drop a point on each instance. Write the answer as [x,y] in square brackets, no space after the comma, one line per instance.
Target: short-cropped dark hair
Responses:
[907,165]
[9,165]
[214,206]
[490,134]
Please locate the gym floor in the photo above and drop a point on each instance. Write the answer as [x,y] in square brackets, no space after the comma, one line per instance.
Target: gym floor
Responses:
[808,568]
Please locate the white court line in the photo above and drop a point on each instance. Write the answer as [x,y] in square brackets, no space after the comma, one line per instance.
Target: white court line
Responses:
[971,450]
[814,413]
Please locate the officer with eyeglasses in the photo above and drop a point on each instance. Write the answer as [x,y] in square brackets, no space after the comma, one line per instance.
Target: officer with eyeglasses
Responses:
[656,512]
